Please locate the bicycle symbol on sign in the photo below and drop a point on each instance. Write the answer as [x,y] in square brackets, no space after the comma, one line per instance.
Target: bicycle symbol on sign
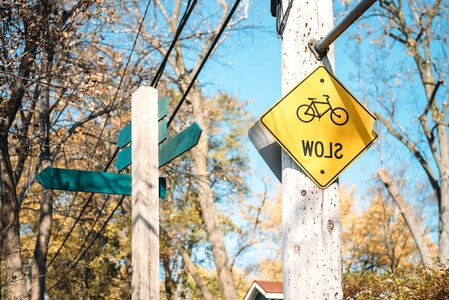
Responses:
[307,112]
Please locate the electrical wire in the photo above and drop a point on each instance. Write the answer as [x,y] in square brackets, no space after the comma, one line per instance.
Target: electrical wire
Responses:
[81,212]
[206,57]
[93,225]
[182,23]
[88,247]
[102,130]
[282,17]
[123,74]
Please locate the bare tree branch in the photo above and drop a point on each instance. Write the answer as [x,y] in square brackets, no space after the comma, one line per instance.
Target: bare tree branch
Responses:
[411,146]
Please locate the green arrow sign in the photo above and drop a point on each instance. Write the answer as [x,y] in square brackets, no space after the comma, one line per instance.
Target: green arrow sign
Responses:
[92,182]
[172,148]
[124,136]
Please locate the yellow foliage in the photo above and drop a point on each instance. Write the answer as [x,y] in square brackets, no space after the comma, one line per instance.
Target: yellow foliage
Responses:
[374,239]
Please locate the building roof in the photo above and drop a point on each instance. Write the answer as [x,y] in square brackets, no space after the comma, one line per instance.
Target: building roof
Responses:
[270,286]
[269,289]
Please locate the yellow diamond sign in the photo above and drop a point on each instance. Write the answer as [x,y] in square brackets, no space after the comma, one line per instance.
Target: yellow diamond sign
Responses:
[321,126]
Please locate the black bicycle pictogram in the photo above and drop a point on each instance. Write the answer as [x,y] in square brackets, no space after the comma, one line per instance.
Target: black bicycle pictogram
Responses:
[307,112]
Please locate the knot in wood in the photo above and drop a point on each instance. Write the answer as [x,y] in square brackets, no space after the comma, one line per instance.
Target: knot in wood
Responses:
[330,225]
[297,248]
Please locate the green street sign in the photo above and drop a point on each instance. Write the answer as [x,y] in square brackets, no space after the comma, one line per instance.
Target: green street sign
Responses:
[168,151]
[124,136]
[91,182]
[123,159]
[120,184]
[162,110]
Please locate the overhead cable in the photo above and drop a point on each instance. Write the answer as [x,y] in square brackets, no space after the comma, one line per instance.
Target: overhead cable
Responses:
[88,247]
[203,62]
[81,213]
[182,23]
[123,74]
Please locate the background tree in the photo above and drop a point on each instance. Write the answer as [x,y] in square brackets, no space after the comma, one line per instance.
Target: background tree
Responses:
[186,238]
[64,77]
[182,65]
[377,238]
[409,42]
[48,73]
[373,239]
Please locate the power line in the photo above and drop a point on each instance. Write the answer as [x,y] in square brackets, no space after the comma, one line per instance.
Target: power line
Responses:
[88,247]
[123,74]
[93,226]
[102,130]
[282,17]
[182,23]
[81,213]
[206,57]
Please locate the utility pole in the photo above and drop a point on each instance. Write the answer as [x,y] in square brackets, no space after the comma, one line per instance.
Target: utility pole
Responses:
[310,215]
[145,195]
[311,225]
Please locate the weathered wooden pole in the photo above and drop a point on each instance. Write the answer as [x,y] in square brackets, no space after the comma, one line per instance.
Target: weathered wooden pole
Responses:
[145,195]
[310,215]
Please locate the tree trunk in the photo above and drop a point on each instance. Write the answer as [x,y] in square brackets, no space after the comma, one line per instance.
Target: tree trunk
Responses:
[193,270]
[9,215]
[39,268]
[15,279]
[208,208]
[408,216]
[441,158]
[443,225]
[310,215]
[190,266]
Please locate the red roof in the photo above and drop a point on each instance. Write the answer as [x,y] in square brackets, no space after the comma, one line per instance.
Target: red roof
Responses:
[270,286]
[269,289]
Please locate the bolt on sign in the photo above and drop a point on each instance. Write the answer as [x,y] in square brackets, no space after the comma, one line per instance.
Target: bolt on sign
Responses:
[321,125]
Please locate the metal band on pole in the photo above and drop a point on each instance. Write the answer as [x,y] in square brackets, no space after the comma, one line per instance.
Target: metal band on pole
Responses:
[320,48]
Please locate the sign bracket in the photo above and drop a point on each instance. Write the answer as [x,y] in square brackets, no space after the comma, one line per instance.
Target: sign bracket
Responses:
[320,47]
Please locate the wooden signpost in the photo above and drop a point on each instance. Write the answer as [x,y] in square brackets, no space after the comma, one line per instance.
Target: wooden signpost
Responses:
[150,149]
[145,204]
